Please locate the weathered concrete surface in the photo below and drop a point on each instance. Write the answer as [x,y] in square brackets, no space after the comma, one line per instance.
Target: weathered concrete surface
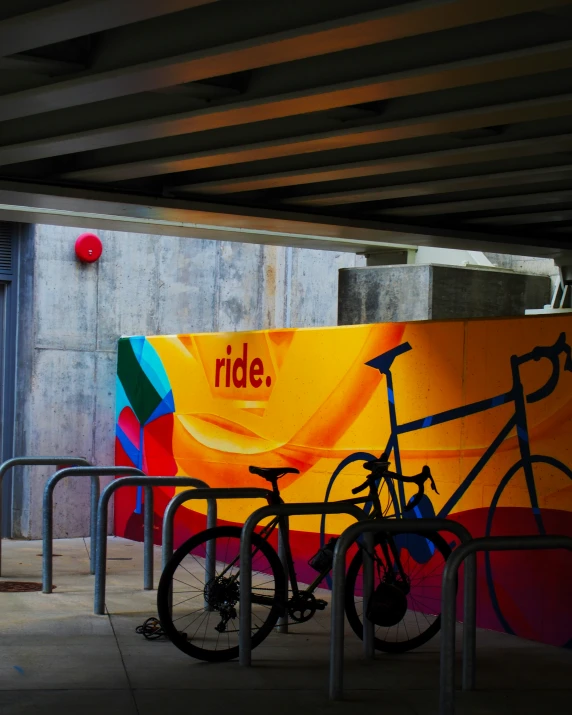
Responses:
[384,293]
[429,292]
[57,657]
[71,316]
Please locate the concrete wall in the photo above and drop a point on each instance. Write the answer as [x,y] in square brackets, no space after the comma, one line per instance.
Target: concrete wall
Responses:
[71,316]
[427,292]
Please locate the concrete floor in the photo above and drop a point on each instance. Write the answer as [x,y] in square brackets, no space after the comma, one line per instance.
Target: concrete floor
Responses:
[55,656]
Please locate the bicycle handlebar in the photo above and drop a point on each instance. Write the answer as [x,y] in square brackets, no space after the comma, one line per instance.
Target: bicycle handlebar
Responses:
[379,469]
[551,353]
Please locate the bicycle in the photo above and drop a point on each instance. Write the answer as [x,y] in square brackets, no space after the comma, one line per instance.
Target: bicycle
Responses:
[405,598]
[517,421]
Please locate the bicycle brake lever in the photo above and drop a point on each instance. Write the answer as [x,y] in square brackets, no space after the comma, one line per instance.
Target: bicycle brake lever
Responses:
[433,485]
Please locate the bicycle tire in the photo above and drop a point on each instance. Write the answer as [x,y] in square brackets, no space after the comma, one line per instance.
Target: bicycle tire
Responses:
[195,543]
[354,619]
[511,473]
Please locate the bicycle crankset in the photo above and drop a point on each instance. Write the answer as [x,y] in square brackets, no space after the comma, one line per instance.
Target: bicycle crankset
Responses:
[301,608]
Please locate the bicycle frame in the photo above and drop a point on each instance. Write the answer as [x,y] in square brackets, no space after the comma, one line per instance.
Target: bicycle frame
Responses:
[518,420]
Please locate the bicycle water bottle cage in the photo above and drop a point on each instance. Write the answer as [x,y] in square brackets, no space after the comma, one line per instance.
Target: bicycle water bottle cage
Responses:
[384,361]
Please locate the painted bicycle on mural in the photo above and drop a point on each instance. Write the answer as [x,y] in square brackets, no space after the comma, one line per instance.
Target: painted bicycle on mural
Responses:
[558,355]
[199,610]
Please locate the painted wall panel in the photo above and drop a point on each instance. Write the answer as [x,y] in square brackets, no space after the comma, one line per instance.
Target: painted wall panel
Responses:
[486,403]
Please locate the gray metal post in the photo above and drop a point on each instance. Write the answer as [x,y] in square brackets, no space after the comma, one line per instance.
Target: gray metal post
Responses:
[245,616]
[448,603]
[368,586]
[470,623]
[48,511]
[148,519]
[101,552]
[31,462]
[393,526]
[282,625]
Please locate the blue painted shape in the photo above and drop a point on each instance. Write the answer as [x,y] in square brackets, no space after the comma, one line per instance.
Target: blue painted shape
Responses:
[384,361]
[18,669]
[418,546]
[130,449]
[165,407]
[138,343]
[427,422]
[499,400]
[390,396]
[121,399]
[536,510]
[522,434]
[153,368]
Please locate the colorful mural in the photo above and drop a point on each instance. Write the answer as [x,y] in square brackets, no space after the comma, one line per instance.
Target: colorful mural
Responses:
[486,403]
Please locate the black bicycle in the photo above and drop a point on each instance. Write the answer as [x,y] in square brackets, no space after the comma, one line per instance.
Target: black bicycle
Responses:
[198,595]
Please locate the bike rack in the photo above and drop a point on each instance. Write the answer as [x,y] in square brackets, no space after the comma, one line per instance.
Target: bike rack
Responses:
[392,526]
[48,513]
[42,461]
[101,551]
[211,495]
[448,607]
[309,508]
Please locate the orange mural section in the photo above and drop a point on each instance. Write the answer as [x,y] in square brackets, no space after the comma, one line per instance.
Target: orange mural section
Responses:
[487,404]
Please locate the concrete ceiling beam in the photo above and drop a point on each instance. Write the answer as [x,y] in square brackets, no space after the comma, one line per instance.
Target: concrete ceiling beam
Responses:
[75,18]
[405,20]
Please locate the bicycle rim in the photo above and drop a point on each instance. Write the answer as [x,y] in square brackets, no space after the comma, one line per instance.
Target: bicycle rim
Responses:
[204,619]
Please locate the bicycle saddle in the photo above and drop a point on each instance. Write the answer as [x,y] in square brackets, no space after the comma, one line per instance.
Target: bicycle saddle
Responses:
[272,474]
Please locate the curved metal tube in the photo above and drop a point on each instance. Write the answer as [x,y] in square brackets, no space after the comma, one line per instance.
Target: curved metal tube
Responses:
[393,526]
[101,551]
[448,603]
[38,461]
[48,512]
[309,508]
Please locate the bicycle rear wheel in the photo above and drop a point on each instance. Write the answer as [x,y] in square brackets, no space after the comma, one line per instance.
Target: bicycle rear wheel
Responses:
[204,616]
[406,602]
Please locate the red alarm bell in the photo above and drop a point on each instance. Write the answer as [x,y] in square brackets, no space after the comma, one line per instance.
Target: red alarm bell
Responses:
[88,247]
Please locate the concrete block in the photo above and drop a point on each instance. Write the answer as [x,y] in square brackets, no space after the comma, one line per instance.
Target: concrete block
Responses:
[430,292]
[475,293]
[187,285]
[378,294]
[65,292]
[128,287]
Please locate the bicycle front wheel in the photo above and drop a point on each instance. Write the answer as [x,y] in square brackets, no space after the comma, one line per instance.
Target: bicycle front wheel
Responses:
[405,605]
[199,611]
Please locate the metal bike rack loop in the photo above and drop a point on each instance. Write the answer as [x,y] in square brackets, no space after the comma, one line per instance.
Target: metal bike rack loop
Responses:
[392,526]
[41,462]
[448,607]
[211,495]
[101,551]
[306,509]
[48,513]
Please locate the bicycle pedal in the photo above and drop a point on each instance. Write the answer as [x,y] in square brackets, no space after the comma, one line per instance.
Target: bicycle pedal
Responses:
[320,605]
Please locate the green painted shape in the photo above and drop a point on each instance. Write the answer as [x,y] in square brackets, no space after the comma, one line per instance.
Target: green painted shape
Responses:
[140,392]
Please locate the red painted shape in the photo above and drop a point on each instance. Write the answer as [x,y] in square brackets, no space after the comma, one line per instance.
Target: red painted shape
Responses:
[88,247]
[130,426]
